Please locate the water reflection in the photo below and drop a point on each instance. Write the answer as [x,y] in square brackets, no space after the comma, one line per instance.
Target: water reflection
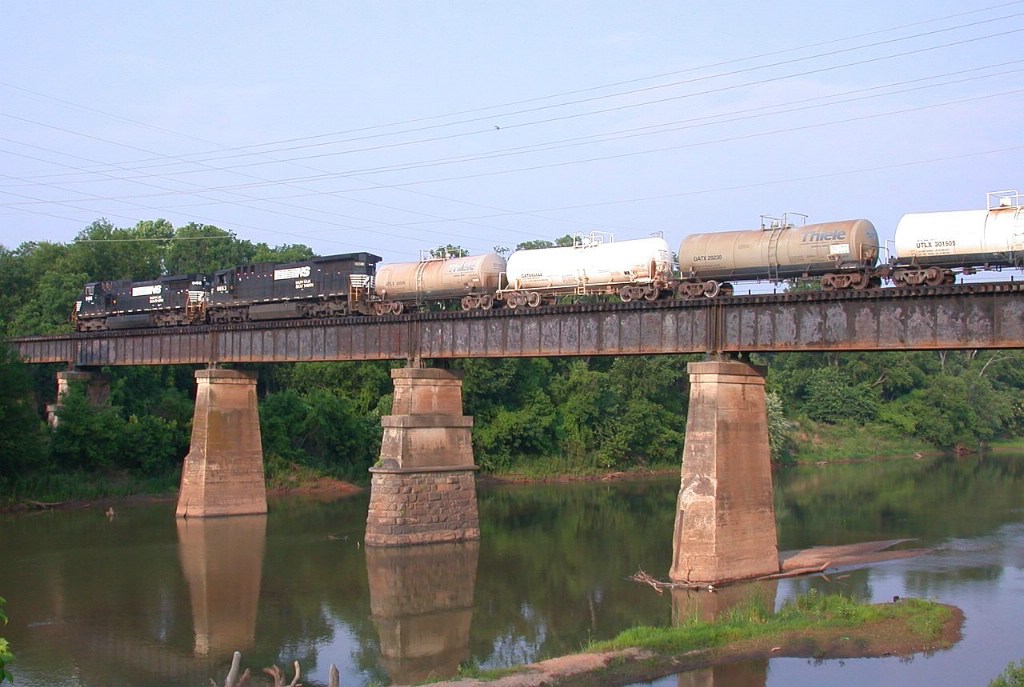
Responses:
[689,606]
[94,601]
[421,601]
[222,560]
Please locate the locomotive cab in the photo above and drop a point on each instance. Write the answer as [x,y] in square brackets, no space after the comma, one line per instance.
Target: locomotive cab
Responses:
[224,281]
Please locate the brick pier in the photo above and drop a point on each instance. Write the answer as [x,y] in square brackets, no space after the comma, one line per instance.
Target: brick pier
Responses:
[423,488]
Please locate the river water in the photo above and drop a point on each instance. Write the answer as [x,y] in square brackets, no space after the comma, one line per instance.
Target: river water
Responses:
[146,600]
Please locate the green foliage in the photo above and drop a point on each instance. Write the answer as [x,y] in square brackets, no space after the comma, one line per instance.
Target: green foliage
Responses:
[322,429]
[1013,676]
[832,397]
[201,248]
[104,251]
[39,282]
[5,650]
[562,241]
[22,441]
[778,427]
[535,244]
[449,251]
[104,439]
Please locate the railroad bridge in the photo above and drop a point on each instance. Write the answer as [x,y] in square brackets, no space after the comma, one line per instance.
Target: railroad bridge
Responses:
[423,487]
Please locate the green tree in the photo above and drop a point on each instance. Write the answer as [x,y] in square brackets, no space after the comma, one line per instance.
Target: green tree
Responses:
[22,444]
[5,650]
[320,429]
[40,284]
[1013,676]
[86,438]
[449,251]
[105,252]
[777,426]
[535,244]
[286,253]
[832,397]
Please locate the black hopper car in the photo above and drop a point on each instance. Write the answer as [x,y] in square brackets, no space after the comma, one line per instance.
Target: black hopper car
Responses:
[332,285]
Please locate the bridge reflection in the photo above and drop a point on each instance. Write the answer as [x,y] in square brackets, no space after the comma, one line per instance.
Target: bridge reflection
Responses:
[421,601]
[222,559]
[692,606]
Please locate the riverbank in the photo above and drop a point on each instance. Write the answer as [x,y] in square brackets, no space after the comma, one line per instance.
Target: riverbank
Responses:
[94,490]
[815,627]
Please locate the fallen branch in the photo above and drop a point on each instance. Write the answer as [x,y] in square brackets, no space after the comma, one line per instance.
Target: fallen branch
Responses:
[644,578]
[43,505]
[279,677]
[233,679]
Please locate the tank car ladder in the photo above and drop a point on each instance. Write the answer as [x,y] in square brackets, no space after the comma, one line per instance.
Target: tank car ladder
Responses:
[775,227]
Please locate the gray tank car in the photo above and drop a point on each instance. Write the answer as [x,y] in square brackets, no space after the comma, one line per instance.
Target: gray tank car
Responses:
[843,254]
[472,279]
[930,245]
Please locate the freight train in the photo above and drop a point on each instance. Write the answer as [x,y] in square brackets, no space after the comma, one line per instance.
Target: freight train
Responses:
[930,249]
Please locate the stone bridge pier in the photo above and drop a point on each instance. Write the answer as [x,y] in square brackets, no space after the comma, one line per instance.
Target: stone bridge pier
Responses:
[423,488]
[97,389]
[223,471]
[725,514]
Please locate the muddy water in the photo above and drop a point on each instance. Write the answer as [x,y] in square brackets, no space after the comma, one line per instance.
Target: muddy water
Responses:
[142,599]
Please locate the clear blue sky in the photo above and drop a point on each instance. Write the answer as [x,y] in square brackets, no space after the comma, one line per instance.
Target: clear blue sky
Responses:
[399,126]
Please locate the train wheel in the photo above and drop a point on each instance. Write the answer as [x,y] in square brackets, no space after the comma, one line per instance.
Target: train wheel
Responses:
[468,303]
[378,308]
[712,288]
[935,277]
[828,282]
[860,281]
[626,294]
[533,299]
[486,302]
[651,293]
[397,308]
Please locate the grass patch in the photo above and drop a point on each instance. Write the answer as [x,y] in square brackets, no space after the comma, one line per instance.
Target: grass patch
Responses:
[83,486]
[285,474]
[533,468]
[812,442]
[1016,444]
[751,621]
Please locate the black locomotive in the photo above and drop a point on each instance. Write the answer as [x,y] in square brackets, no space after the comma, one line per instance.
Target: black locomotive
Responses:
[326,286]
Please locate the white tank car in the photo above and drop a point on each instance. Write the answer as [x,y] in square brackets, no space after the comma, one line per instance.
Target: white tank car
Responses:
[929,245]
[841,253]
[473,279]
[633,269]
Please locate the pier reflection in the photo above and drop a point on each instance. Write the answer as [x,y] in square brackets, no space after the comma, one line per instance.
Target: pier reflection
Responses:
[222,560]
[690,605]
[421,600]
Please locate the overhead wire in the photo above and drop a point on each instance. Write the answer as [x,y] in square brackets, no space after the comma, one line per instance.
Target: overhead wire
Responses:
[235,188]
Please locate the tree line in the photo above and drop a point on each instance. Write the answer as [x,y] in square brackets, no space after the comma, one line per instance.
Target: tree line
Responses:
[540,414]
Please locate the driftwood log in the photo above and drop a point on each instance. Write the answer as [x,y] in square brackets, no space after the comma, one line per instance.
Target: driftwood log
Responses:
[233,679]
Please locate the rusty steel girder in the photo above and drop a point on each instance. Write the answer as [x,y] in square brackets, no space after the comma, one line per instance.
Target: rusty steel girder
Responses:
[965,316]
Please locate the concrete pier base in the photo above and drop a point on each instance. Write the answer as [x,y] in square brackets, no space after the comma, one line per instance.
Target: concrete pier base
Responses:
[423,488]
[97,391]
[725,516]
[223,471]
